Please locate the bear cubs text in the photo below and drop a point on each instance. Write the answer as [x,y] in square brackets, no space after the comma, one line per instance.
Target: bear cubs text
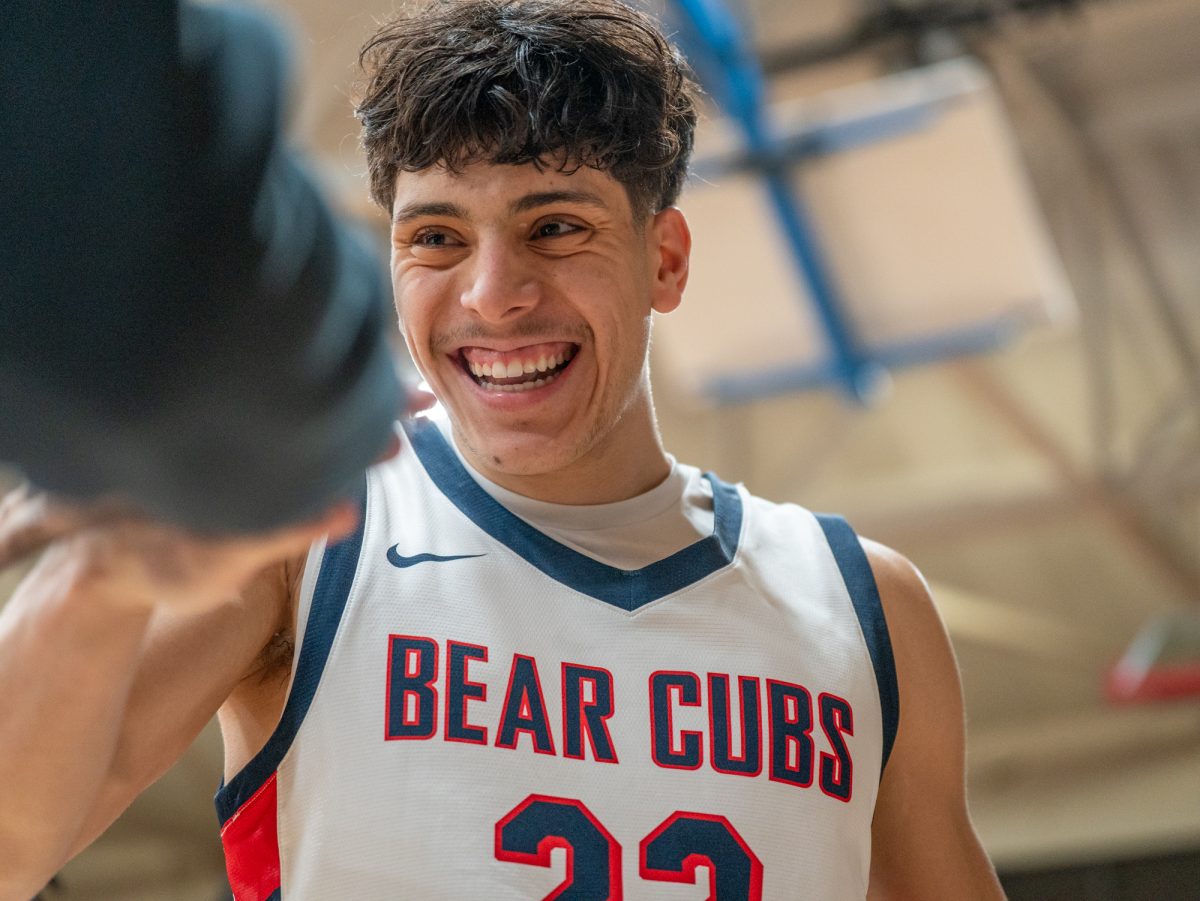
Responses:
[434,687]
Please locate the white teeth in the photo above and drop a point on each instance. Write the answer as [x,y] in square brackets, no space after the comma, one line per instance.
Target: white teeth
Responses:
[517,368]
[520,386]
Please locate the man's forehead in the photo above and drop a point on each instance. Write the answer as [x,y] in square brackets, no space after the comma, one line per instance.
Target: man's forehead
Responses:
[497,188]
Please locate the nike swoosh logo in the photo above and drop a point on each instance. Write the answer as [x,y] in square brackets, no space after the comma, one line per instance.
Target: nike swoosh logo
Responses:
[397,559]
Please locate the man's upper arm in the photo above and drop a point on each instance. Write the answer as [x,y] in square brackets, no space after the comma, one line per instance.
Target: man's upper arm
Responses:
[188,666]
[924,845]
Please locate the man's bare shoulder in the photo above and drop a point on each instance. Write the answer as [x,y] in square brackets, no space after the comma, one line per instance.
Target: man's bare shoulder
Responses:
[924,843]
[898,579]
[912,617]
[926,669]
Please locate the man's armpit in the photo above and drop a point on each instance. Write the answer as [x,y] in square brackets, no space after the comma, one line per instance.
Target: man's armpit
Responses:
[275,659]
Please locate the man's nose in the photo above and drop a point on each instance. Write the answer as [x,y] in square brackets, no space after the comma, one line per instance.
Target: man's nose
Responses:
[502,287]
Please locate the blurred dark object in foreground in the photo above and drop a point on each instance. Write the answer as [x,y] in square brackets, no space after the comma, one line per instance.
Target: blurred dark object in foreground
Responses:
[182,320]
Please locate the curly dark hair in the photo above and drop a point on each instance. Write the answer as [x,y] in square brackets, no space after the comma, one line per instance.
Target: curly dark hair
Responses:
[559,83]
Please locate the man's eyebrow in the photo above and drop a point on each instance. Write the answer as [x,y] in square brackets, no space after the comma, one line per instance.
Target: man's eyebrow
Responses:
[411,211]
[546,198]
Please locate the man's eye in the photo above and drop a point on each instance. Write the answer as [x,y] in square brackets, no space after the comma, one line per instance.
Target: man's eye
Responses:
[430,239]
[556,229]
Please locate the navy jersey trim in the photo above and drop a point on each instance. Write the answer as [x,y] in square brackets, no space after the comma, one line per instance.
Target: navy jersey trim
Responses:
[334,581]
[627,589]
[864,594]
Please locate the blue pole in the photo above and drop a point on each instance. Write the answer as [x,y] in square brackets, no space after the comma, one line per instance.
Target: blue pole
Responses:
[736,80]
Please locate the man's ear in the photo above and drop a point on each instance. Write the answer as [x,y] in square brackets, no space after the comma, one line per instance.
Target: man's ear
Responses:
[671,246]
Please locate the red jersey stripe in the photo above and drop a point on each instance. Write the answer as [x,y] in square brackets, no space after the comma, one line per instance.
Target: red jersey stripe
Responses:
[251,841]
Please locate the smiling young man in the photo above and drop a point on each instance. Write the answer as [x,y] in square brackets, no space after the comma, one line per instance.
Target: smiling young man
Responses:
[551,660]
[525,296]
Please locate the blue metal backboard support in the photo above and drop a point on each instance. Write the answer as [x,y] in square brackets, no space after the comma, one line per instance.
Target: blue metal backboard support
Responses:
[728,67]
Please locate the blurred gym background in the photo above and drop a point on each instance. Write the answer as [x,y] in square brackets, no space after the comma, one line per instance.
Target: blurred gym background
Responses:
[946,283]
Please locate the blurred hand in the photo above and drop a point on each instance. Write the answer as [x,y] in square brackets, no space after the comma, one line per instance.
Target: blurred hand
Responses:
[125,558]
[415,400]
[30,519]
[113,551]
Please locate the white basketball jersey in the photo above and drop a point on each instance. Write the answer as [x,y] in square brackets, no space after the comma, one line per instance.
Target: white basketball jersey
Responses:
[478,711]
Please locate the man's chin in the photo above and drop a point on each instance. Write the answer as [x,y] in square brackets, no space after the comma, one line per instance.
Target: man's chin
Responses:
[510,452]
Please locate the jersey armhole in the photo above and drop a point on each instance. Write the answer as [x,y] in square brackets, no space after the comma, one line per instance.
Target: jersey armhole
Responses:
[864,595]
[323,598]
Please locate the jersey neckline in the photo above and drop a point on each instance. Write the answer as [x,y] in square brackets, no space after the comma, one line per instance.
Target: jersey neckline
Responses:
[626,589]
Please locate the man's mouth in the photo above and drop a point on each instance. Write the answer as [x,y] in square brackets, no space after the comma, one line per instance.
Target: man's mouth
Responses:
[523,369]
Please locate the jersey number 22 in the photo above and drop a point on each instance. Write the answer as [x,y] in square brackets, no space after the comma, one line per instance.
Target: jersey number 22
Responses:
[670,853]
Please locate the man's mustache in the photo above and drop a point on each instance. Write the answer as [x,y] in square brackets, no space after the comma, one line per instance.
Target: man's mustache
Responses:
[535,330]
